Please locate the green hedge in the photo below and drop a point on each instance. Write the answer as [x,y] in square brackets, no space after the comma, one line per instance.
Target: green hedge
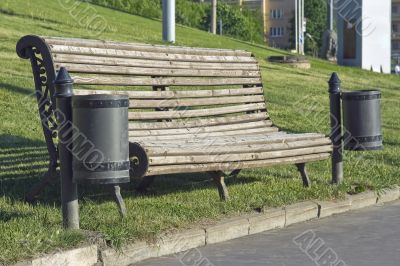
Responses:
[242,24]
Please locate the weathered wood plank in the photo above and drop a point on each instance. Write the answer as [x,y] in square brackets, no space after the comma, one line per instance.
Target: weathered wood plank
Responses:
[143,47]
[63,49]
[173,114]
[177,94]
[132,62]
[197,130]
[161,81]
[190,168]
[234,148]
[159,72]
[272,137]
[174,102]
[260,130]
[201,122]
[236,157]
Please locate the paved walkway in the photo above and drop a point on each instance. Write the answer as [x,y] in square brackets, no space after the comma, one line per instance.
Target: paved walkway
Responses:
[367,237]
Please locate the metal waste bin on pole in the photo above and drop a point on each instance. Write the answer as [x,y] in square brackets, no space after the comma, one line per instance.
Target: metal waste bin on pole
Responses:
[361,127]
[101,145]
[362,120]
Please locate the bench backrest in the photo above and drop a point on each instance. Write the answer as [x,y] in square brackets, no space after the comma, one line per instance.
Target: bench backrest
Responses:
[228,87]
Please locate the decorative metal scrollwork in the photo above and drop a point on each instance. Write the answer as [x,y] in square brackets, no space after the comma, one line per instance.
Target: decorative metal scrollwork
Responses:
[35,49]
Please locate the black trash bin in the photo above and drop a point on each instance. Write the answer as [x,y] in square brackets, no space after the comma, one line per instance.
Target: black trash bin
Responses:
[100,143]
[362,120]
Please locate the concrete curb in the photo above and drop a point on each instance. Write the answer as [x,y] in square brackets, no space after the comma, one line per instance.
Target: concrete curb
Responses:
[271,219]
[389,195]
[329,208]
[84,256]
[301,212]
[222,231]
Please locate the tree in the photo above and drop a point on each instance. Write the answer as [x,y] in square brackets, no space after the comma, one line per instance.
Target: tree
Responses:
[315,11]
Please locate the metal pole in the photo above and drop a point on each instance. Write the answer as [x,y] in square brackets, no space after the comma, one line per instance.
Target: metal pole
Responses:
[213,16]
[336,128]
[220,26]
[69,189]
[330,15]
[296,26]
[168,7]
[302,27]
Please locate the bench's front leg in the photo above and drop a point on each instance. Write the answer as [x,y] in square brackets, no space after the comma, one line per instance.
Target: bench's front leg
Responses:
[116,191]
[218,177]
[303,172]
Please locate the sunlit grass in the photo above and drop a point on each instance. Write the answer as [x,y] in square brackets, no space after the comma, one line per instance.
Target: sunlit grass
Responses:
[178,201]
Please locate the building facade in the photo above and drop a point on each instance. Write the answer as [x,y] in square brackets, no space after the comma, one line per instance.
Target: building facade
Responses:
[364,32]
[277,16]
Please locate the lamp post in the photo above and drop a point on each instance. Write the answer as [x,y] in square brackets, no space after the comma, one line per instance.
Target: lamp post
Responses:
[213,16]
[168,7]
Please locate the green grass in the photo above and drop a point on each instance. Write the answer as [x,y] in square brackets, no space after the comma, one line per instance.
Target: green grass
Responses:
[178,201]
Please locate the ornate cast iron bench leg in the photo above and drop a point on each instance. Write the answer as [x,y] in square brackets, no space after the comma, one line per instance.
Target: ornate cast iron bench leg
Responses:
[304,176]
[218,177]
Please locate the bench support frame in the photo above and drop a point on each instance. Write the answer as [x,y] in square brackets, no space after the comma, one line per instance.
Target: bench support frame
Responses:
[304,175]
[218,177]
[36,50]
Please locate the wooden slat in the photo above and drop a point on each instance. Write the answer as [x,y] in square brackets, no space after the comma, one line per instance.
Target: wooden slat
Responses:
[132,62]
[148,81]
[142,47]
[200,122]
[177,94]
[63,49]
[173,114]
[159,72]
[228,149]
[191,168]
[236,157]
[197,130]
[263,130]
[195,102]
[273,137]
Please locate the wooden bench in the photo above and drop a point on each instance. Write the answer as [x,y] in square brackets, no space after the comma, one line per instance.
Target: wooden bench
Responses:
[215,120]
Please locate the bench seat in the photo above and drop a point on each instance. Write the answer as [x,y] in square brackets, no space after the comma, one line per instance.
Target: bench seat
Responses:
[232,152]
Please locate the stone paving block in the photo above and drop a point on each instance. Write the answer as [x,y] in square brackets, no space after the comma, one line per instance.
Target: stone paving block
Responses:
[300,212]
[363,199]
[270,219]
[226,230]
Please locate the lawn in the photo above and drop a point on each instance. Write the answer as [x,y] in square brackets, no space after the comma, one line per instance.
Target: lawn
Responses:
[297,102]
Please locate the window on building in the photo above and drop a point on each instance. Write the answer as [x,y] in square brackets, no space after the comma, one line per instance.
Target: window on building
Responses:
[276,31]
[395,28]
[350,40]
[276,13]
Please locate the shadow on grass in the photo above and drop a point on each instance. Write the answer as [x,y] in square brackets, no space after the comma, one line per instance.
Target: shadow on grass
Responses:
[6,216]
[23,162]
[13,88]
